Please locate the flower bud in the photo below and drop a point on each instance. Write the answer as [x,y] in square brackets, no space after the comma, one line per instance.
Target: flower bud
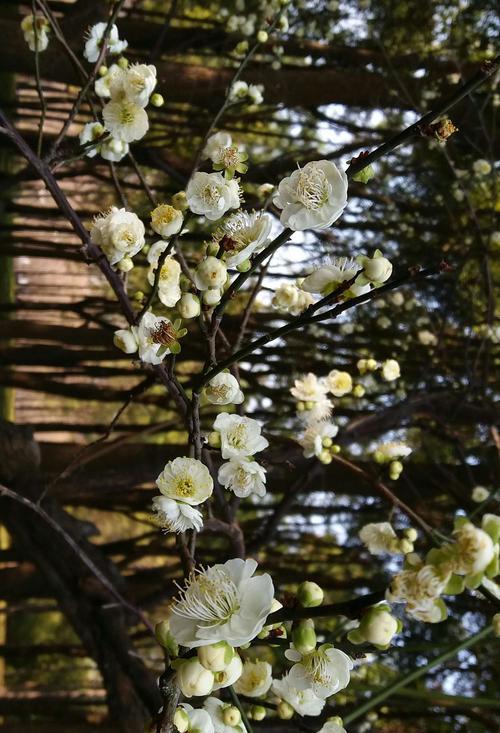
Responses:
[231,716]
[214,439]
[284,710]
[257,712]
[241,48]
[244,266]
[310,594]
[213,249]
[157,100]
[491,525]
[212,297]
[189,306]
[165,638]
[179,200]
[411,534]
[262,36]
[325,457]
[304,636]
[181,720]
[103,70]
[216,657]
[496,624]
[358,390]
[405,546]
[371,365]
[377,627]
[122,62]
[365,174]
[138,296]
[194,679]
[125,340]
[125,265]
[327,442]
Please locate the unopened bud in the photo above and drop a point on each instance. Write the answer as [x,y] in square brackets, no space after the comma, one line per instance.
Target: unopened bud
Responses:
[214,439]
[216,657]
[122,62]
[157,100]
[125,265]
[262,36]
[231,716]
[310,594]
[103,70]
[411,534]
[284,710]
[257,712]
[359,390]
[304,636]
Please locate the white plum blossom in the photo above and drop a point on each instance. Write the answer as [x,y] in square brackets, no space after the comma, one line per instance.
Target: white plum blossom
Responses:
[303,701]
[325,671]
[102,86]
[474,550]
[199,719]
[136,82]
[240,436]
[230,674]
[379,538]
[339,383]
[187,480]
[314,436]
[94,40]
[211,274]
[390,370]
[211,195]
[329,277]
[35,29]
[225,602]
[119,233]
[223,389]
[309,388]
[216,709]
[313,197]
[215,143]
[255,680]
[289,298]
[125,119]
[419,586]
[169,291]
[176,516]
[243,477]
[242,235]
[166,220]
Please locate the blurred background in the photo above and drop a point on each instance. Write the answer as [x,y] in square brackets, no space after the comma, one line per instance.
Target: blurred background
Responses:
[84,424]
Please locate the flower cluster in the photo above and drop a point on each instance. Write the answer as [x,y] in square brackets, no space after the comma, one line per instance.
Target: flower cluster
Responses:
[465,562]
[128,88]
[239,439]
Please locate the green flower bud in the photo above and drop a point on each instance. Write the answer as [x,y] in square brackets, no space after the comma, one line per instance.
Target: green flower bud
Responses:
[359,390]
[216,657]
[125,265]
[257,712]
[309,594]
[122,62]
[214,439]
[212,249]
[304,636]
[364,175]
[244,266]
[165,638]
[157,100]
